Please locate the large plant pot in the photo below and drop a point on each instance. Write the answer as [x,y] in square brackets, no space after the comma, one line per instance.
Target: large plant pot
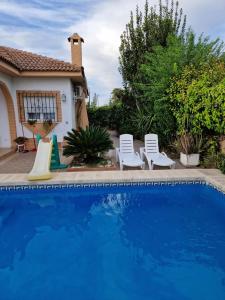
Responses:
[222,144]
[190,160]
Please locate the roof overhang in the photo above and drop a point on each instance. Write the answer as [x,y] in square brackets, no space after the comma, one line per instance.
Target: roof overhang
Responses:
[8,69]
[74,76]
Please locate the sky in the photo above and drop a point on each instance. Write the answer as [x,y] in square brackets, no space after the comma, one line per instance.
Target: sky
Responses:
[43,26]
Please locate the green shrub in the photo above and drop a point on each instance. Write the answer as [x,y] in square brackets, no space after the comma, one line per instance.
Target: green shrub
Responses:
[110,116]
[210,152]
[99,116]
[198,98]
[89,144]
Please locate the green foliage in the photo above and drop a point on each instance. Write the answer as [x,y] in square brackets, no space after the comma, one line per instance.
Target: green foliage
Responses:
[145,31]
[173,80]
[89,144]
[142,123]
[151,84]
[146,34]
[166,62]
[109,116]
[198,98]
[210,152]
[163,64]
[99,116]
[117,96]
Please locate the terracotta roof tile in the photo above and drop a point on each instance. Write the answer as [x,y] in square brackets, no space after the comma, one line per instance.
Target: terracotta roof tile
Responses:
[27,61]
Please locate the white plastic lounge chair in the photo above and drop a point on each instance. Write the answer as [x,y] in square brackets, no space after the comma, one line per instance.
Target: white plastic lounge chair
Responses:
[125,154]
[152,154]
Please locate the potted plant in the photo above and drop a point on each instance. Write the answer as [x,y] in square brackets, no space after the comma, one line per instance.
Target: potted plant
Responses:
[47,124]
[20,141]
[190,148]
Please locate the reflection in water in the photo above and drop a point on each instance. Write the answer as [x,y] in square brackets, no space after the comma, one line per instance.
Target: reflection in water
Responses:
[111,204]
[28,216]
[113,243]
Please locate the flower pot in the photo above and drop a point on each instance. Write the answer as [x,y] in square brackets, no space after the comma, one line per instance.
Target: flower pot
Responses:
[222,145]
[190,160]
[20,147]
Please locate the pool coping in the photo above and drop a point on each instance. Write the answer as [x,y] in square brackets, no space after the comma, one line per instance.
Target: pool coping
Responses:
[209,176]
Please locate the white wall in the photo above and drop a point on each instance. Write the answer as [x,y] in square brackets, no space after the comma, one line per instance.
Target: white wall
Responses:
[7,80]
[63,85]
[48,84]
[5,139]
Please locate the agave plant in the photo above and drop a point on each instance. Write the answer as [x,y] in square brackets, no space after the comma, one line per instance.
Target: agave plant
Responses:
[89,144]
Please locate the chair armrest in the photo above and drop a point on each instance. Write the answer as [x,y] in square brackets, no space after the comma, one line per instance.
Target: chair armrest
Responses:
[137,153]
[163,153]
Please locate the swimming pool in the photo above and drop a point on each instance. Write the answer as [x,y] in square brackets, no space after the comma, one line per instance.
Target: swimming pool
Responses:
[147,241]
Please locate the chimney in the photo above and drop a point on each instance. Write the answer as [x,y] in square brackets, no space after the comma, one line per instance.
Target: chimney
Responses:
[76,49]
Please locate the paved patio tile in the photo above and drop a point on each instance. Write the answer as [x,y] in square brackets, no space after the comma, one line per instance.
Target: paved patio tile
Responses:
[23,162]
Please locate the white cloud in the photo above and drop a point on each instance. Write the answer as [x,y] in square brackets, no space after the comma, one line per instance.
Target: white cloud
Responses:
[103,27]
[100,23]
[101,32]
[29,12]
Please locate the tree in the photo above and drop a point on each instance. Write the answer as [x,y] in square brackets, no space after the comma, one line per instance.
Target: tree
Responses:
[144,32]
[117,95]
[165,63]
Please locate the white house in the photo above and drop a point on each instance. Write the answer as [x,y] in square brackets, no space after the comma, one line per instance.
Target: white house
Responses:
[35,87]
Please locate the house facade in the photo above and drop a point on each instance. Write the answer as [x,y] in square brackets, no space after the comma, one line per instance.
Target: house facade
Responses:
[41,95]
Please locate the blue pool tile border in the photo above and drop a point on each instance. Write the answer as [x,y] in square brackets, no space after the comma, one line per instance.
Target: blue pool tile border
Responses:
[91,185]
[106,184]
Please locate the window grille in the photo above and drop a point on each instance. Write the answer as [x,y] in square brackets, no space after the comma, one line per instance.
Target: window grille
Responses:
[38,106]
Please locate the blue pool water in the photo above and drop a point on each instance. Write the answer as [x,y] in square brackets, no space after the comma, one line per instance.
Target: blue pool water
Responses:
[113,243]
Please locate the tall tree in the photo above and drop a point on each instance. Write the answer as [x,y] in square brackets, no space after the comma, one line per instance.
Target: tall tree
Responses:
[143,32]
[117,95]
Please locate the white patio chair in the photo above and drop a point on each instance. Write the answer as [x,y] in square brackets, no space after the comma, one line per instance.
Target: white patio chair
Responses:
[125,154]
[152,154]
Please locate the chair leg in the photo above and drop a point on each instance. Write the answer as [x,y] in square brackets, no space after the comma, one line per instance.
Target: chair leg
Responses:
[150,165]
[172,166]
[121,167]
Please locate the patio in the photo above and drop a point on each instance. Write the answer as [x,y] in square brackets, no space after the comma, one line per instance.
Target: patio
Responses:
[23,162]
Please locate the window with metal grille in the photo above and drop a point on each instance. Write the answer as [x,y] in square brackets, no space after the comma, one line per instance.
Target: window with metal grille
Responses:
[38,106]
[77,91]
